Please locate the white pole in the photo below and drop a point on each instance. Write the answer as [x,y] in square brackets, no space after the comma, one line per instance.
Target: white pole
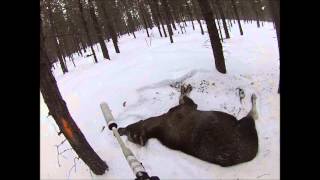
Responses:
[135,165]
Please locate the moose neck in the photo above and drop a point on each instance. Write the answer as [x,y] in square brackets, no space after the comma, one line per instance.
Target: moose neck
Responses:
[152,126]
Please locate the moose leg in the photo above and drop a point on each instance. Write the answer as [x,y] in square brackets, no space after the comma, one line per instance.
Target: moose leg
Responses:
[185,91]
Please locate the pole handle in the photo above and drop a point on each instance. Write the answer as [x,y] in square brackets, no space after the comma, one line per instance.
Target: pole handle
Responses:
[108,116]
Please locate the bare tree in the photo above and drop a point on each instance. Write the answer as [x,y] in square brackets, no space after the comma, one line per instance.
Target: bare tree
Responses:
[98,30]
[213,34]
[237,16]
[109,24]
[167,18]
[85,26]
[59,111]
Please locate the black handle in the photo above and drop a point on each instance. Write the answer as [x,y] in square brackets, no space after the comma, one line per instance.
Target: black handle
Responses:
[145,176]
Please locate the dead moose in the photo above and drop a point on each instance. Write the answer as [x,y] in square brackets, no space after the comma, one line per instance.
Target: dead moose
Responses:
[213,136]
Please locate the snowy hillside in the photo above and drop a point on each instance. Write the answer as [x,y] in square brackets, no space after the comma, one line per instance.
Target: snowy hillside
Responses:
[144,75]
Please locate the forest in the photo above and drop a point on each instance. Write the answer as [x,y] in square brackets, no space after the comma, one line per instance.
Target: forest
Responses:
[136,55]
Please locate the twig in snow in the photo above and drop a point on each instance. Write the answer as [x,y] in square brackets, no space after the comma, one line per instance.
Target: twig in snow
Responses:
[90,173]
[103,128]
[60,153]
[147,42]
[261,175]
[73,166]
[61,142]
[58,157]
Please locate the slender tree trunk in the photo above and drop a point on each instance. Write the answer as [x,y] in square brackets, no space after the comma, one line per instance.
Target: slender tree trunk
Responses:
[143,19]
[220,32]
[170,14]
[155,2]
[55,41]
[201,28]
[59,111]
[85,26]
[215,15]
[72,60]
[194,7]
[254,7]
[237,16]
[218,5]
[167,16]
[98,31]
[155,15]
[190,13]
[110,26]
[130,19]
[213,34]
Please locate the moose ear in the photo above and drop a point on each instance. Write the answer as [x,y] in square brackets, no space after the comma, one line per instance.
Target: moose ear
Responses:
[122,131]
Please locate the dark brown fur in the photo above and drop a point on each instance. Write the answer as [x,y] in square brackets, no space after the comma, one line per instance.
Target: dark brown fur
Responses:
[213,136]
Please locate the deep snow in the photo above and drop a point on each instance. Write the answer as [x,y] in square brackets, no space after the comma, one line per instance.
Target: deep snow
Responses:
[144,75]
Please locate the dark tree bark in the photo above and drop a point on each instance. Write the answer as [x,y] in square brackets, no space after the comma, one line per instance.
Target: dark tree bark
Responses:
[144,20]
[167,16]
[213,34]
[98,31]
[254,7]
[130,19]
[155,2]
[59,111]
[237,16]
[220,32]
[155,15]
[223,18]
[55,34]
[190,13]
[170,15]
[194,5]
[109,25]
[85,26]
[201,28]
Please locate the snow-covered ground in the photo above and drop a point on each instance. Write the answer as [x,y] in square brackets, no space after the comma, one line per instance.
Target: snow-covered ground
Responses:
[144,75]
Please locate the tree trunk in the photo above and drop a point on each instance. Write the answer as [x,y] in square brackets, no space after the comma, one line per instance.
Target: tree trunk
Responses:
[59,111]
[237,16]
[160,17]
[218,5]
[197,16]
[129,16]
[55,41]
[170,14]
[143,18]
[201,28]
[98,31]
[220,32]
[167,16]
[85,26]
[155,15]
[254,7]
[213,34]
[190,13]
[110,26]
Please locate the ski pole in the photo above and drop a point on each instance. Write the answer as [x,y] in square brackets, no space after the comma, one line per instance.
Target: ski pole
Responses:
[136,166]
